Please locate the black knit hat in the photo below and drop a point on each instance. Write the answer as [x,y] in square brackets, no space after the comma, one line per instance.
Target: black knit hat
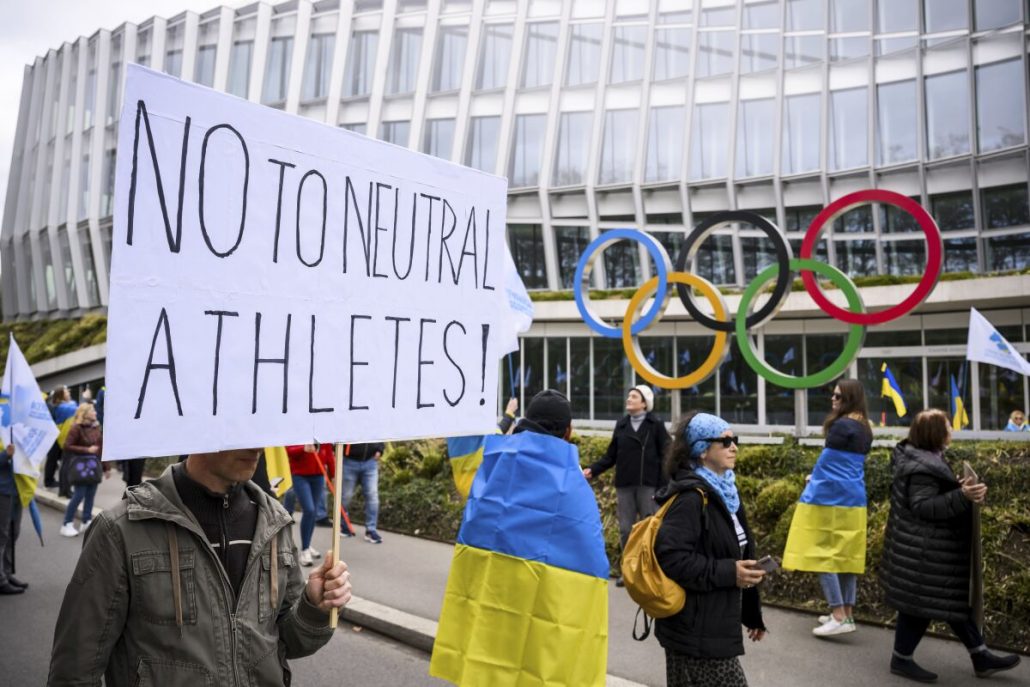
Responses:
[551,411]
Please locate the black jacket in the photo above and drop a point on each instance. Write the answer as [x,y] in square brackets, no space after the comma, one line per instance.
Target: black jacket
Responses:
[636,455]
[697,548]
[361,452]
[926,550]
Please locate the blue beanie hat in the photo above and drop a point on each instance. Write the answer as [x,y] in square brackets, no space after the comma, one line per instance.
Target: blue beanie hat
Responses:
[701,428]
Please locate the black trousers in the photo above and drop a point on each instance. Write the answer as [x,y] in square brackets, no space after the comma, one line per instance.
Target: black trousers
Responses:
[910,631]
[10,527]
[50,471]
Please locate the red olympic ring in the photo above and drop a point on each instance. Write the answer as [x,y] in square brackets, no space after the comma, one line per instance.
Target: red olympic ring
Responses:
[934,255]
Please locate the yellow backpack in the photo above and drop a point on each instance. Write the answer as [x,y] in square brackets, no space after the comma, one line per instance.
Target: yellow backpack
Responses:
[657,595]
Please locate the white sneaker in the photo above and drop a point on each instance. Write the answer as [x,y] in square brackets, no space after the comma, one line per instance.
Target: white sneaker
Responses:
[305,558]
[85,525]
[834,627]
[69,530]
[823,619]
[313,552]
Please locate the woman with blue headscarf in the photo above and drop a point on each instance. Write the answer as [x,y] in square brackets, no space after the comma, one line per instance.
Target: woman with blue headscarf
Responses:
[706,547]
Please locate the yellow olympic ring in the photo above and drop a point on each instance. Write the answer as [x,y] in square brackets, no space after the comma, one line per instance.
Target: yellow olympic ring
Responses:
[632,344]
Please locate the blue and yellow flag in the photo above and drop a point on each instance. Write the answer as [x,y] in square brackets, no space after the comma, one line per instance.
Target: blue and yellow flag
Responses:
[63,415]
[466,455]
[892,390]
[527,596]
[277,463]
[959,418]
[828,531]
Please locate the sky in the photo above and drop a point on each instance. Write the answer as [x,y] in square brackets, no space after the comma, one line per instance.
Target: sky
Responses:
[29,29]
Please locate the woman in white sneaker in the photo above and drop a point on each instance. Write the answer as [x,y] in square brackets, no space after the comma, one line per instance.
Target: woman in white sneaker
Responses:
[308,485]
[83,449]
[828,531]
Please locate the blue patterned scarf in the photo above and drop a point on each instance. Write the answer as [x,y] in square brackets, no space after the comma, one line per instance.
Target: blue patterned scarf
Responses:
[725,485]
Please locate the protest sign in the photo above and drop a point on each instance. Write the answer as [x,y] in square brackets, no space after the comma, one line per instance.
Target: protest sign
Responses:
[276,281]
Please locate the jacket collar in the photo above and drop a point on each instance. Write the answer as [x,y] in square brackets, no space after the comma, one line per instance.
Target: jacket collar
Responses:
[909,460]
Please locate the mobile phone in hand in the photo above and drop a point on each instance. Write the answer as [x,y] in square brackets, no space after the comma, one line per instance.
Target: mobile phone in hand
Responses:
[768,564]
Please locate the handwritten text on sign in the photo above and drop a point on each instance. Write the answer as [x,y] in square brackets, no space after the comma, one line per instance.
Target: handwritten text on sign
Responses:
[275,281]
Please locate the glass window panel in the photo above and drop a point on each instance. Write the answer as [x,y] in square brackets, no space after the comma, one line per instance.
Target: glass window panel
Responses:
[738,389]
[613,377]
[718,16]
[909,374]
[621,265]
[406,53]
[26,257]
[849,48]
[494,53]
[90,94]
[675,11]
[856,258]
[758,253]
[657,351]
[204,67]
[848,117]
[801,51]
[482,146]
[822,249]
[886,46]
[759,51]
[239,68]
[541,52]
[438,138]
[173,62]
[317,65]
[801,134]
[579,377]
[945,15]
[715,53]
[69,271]
[527,249]
[84,178]
[1005,253]
[557,365]
[574,129]
[450,58]
[114,96]
[92,288]
[532,372]
[896,221]
[857,221]
[672,241]
[820,352]
[783,352]
[671,53]
[1001,392]
[143,47]
[847,16]
[618,151]
[800,218]
[691,351]
[277,70]
[953,211]
[960,255]
[896,122]
[709,141]
[665,144]
[993,14]
[1005,206]
[527,148]
[361,60]
[947,114]
[941,372]
[754,144]
[1000,105]
[897,15]
[805,15]
[356,127]
[49,277]
[107,190]
[762,15]
[396,132]
[715,259]
[584,54]
[628,53]
[904,258]
[572,241]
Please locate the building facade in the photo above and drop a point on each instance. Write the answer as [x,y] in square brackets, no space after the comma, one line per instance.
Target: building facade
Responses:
[602,115]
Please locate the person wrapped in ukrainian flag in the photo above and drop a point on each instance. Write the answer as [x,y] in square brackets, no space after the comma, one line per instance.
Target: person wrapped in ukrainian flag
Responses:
[828,531]
[527,595]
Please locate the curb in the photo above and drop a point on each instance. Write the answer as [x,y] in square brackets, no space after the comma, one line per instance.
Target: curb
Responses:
[411,630]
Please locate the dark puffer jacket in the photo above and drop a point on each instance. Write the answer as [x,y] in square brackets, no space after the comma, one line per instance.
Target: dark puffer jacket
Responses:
[697,548]
[636,454]
[926,550]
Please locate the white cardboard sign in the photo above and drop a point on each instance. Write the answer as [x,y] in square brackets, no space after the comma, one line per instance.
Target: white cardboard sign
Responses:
[276,281]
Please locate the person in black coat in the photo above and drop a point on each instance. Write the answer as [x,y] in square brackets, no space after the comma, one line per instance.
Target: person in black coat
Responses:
[927,549]
[636,450]
[706,547]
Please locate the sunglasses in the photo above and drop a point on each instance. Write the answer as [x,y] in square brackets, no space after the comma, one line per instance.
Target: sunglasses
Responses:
[836,397]
[725,441]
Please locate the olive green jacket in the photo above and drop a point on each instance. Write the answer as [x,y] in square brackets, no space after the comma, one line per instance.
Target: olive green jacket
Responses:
[149,602]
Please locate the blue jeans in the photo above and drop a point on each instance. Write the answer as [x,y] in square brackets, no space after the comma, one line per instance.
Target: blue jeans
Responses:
[308,489]
[82,493]
[839,588]
[367,472]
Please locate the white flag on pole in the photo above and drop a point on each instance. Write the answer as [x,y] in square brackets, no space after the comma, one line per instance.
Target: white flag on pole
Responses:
[25,416]
[520,306]
[986,345]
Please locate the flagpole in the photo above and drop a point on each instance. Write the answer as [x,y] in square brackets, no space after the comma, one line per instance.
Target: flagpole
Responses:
[334,614]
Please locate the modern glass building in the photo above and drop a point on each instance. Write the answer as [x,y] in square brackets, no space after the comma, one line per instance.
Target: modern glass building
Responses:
[625,113]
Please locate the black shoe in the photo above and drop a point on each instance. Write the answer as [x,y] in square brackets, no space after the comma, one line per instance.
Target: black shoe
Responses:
[324,522]
[985,663]
[8,588]
[50,484]
[910,669]
[619,582]
[15,582]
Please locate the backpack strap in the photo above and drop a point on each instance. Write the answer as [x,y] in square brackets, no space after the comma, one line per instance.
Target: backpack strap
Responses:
[647,625]
[704,507]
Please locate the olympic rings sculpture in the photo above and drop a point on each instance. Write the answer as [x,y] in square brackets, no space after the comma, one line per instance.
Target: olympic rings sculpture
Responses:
[742,324]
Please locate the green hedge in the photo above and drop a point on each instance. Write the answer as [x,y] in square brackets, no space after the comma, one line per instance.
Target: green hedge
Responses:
[47,339]
[417,496]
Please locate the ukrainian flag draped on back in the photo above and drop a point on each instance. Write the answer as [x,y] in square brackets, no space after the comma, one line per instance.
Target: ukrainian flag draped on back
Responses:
[828,531]
[466,455]
[527,596]
[63,415]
